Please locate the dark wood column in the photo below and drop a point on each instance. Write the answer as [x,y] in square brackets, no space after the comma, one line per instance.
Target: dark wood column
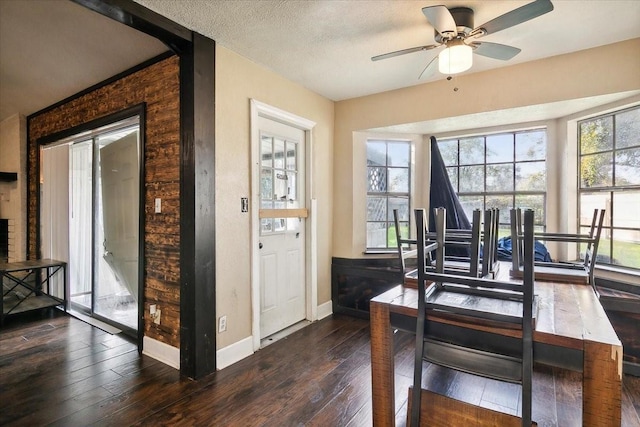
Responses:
[197,210]
[197,175]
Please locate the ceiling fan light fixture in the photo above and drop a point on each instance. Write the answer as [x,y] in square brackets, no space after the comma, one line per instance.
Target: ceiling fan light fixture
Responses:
[456,58]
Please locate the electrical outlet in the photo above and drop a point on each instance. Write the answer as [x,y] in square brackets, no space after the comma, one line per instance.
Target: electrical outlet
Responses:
[156,317]
[158,205]
[222,324]
[152,309]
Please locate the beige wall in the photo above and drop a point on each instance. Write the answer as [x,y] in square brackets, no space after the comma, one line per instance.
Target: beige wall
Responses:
[238,80]
[13,195]
[600,71]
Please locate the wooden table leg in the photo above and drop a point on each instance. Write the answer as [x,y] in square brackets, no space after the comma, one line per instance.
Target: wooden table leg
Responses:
[601,384]
[382,369]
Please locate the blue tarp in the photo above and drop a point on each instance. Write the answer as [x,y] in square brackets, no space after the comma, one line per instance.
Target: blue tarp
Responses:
[505,250]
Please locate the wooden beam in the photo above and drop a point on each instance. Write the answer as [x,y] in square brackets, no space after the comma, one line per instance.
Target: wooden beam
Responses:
[136,16]
[197,209]
[284,213]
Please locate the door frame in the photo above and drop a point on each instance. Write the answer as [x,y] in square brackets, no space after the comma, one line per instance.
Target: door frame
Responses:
[127,113]
[260,109]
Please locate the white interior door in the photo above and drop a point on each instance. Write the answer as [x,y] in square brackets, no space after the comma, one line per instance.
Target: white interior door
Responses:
[120,199]
[282,236]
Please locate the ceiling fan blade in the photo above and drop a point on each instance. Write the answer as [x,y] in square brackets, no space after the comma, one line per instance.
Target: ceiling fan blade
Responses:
[403,52]
[440,18]
[430,69]
[515,17]
[495,50]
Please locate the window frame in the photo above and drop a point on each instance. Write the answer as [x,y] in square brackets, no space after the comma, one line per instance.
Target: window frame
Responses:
[608,191]
[486,194]
[388,194]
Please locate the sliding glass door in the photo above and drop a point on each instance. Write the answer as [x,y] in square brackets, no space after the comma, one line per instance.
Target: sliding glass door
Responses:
[104,221]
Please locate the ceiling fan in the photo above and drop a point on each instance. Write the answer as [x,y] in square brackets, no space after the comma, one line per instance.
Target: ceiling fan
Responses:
[455,32]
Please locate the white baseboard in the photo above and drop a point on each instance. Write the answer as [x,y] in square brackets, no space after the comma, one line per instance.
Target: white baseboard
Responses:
[244,348]
[325,310]
[234,353]
[162,352]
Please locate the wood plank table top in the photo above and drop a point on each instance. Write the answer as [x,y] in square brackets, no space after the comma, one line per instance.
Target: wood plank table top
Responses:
[570,316]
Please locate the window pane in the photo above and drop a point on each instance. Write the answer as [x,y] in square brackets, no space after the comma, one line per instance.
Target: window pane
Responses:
[471,179]
[376,208]
[626,248]
[604,246]
[535,202]
[471,151]
[453,177]
[596,135]
[377,180]
[471,203]
[291,155]
[596,170]
[626,209]
[500,177]
[400,203]
[628,166]
[591,201]
[376,153]
[266,151]
[399,154]
[502,202]
[278,153]
[404,233]
[449,151]
[398,180]
[531,145]
[500,148]
[266,185]
[628,128]
[531,176]
[376,234]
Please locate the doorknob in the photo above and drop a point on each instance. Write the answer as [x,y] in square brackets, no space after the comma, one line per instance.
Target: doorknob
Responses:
[260,245]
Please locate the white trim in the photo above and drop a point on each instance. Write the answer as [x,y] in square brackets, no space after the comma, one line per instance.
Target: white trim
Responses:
[259,109]
[162,352]
[233,353]
[325,310]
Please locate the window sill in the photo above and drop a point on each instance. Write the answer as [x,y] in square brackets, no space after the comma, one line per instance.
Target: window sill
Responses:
[380,252]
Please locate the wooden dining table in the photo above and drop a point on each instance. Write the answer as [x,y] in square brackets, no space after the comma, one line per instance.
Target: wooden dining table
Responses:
[571,331]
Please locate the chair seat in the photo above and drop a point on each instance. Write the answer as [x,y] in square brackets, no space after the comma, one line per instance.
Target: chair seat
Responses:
[466,307]
[478,362]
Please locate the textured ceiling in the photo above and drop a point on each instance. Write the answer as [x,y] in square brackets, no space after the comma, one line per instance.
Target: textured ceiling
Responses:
[52,49]
[327,45]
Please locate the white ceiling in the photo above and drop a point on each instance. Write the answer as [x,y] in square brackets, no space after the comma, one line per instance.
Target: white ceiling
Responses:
[51,49]
[327,45]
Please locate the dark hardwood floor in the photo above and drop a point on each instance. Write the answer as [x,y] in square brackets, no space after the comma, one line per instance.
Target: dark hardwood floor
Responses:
[57,370]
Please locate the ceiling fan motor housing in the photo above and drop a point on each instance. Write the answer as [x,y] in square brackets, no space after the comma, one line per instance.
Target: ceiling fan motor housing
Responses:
[463,17]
